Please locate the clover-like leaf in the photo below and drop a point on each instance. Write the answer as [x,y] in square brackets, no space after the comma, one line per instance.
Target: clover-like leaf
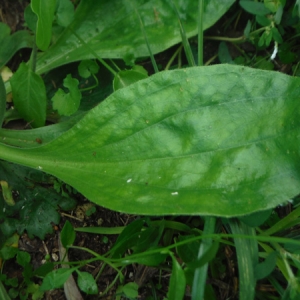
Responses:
[67,103]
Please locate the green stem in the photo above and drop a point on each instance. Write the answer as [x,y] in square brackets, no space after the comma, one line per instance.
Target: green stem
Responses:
[185,41]
[33,57]
[91,87]
[226,39]
[177,52]
[200,32]
[283,223]
[201,273]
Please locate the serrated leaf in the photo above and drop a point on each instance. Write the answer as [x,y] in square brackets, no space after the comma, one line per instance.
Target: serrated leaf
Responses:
[67,103]
[29,95]
[219,140]
[56,279]
[10,44]
[101,23]
[44,9]
[87,283]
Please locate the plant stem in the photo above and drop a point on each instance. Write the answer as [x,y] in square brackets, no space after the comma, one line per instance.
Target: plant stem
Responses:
[200,32]
[33,57]
[177,52]
[201,273]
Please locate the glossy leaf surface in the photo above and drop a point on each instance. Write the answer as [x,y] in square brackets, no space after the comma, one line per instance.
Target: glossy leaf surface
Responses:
[100,24]
[220,140]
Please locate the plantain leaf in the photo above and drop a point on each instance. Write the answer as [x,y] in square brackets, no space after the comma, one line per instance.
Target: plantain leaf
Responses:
[220,140]
[100,24]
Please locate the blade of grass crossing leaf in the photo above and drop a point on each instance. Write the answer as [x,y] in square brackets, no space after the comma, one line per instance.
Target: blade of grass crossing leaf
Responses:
[201,273]
[200,32]
[147,42]
[2,101]
[283,223]
[107,66]
[185,41]
[247,257]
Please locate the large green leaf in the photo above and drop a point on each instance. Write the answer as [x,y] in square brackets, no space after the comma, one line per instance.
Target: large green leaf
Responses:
[112,29]
[220,140]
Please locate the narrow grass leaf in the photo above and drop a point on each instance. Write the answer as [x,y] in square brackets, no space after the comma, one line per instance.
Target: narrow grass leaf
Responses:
[200,274]
[2,101]
[247,259]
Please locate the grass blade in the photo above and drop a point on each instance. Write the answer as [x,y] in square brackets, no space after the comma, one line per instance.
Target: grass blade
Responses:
[201,273]
[200,32]
[247,256]
[185,41]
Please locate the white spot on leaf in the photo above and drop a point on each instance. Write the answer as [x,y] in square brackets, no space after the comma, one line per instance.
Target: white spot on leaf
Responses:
[129,180]
[174,193]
